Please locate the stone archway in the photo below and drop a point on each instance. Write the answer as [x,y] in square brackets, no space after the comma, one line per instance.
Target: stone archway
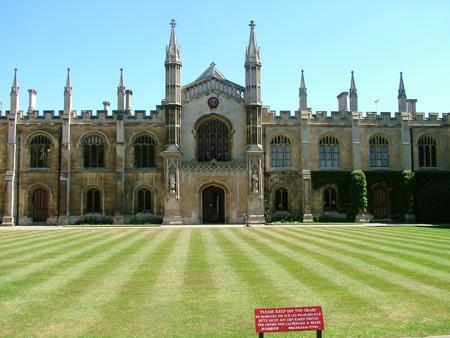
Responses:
[213,205]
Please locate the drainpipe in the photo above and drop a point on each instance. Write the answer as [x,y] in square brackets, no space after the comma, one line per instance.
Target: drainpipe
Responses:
[412,147]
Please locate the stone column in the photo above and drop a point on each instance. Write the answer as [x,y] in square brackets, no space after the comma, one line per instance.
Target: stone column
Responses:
[406,142]
[356,140]
[307,215]
[120,168]
[64,178]
[255,199]
[11,175]
[172,200]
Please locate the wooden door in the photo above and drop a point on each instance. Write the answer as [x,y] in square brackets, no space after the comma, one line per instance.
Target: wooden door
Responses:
[380,199]
[39,203]
[213,203]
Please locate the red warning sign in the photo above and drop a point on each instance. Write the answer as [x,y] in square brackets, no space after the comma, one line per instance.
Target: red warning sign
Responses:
[307,318]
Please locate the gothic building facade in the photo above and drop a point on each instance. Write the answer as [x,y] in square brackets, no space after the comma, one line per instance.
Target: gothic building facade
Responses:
[210,153]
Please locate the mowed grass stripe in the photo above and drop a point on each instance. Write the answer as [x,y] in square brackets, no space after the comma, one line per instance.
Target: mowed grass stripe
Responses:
[38,266]
[365,323]
[431,234]
[159,311]
[376,273]
[270,282]
[433,259]
[18,243]
[50,278]
[232,296]
[405,266]
[32,308]
[117,316]
[396,235]
[32,253]
[335,288]
[10,236]
[85,298]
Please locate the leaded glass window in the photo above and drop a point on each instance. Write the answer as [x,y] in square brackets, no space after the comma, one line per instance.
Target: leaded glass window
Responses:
[213,141]
[379,152]
[40,152]
[329,152]
[281,151]
[94,152]
[427,152]
[144,152]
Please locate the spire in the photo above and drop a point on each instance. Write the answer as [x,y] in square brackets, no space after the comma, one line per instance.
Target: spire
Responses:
[172,50]
[121,93]
[401,88]
[252,53]
[15,84]
[352,84]
[302,94]
[68,87]
[353,95]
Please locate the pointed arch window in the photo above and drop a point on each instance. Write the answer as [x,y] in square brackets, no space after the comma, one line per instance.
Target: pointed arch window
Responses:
[329,152]
[213,141]
[379,152]
[94,152]
[144,200]
[427,152]
[281,199]
[281,151]
[40,152]
[93,201]
[144,152]
[329,199]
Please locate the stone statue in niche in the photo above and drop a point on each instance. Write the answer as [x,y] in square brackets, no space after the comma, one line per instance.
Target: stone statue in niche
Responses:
[172,181]
[255,181]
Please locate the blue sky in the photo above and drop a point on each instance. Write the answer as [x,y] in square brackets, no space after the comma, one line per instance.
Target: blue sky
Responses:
[328,39]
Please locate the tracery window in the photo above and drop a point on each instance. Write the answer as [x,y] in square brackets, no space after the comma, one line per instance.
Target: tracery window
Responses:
[94,152]
[281,199]
[329,199]
[143,200]
[93,201]
[427,152]
[379,152]
[329,152]
[213,141]
[40,152]
[144,152]
[281,151]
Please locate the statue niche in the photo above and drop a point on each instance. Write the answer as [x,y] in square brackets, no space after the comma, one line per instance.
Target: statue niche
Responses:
[213,141]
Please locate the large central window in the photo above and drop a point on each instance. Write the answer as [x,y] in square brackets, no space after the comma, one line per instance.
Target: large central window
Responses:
[213,141]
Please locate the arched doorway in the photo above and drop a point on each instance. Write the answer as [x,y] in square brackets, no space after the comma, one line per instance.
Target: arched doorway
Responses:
[39,205]
[380,201]
[213,205]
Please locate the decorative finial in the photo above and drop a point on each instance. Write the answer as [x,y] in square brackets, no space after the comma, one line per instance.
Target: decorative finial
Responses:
[15,70]
[121,70]
[401,73]
[252,24]
[68,70]
[352,72]
[302,71]
[173,23]
[212,64]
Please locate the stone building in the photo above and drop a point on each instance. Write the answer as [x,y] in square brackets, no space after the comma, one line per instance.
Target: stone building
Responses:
[210,153]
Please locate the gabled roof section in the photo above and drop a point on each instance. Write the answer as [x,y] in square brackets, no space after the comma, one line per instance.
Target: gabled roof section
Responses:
[212,80]
[211,71]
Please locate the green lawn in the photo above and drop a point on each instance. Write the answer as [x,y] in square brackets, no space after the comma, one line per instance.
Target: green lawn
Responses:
[371,282]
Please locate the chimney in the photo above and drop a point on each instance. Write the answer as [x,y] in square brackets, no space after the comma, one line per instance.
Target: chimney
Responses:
[411,106]
[106,105]
[128,99]
[32,100]
[342,101]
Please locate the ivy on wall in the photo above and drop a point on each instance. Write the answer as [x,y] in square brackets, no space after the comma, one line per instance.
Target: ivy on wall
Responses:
[432,196]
